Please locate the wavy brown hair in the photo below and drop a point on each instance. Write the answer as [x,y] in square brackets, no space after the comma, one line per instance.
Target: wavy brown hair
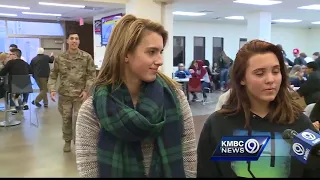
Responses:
[283,110]
[125,37]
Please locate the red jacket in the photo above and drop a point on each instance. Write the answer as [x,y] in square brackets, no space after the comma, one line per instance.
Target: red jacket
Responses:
[203,70]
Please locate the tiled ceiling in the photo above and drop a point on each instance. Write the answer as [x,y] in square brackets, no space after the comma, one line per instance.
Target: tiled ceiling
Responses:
[91,9]
[222,8]
[218,9]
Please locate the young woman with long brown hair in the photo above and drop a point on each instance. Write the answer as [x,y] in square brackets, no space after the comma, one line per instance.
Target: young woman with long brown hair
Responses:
[259,104]
[137,123]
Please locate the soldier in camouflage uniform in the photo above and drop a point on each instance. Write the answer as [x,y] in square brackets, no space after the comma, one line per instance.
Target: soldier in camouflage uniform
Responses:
[77,72]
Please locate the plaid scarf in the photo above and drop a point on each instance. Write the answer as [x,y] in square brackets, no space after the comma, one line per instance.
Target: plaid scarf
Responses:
[157,117]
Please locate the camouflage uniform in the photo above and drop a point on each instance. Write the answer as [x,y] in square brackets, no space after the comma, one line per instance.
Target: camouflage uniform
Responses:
[77,72]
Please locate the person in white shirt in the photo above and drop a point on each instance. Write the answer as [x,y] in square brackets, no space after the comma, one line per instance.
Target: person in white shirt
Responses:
[223,99]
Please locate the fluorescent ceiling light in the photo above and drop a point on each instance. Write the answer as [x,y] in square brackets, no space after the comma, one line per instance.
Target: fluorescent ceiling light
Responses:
[13,7]
[41,14]
[62,5]
[287,20]
[235,17]
[311,7]
[188,13]
[5,14]
[316,22]
[258,2]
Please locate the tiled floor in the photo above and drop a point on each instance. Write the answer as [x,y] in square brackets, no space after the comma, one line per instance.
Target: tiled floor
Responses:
[34,148]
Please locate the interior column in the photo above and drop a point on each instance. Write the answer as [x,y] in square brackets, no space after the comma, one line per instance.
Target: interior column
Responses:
[159,11]
[259,26]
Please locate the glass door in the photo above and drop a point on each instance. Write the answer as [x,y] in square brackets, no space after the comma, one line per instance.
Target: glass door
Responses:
[29,48]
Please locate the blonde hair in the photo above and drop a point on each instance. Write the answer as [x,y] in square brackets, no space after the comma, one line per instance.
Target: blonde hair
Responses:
[294,70]
[125,37]
[3,56]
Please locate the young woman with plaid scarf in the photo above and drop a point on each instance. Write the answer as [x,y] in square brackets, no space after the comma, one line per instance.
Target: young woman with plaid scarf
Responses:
[137,123]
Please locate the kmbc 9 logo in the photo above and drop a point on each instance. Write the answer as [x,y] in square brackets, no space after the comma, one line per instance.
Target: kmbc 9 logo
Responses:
[240,148]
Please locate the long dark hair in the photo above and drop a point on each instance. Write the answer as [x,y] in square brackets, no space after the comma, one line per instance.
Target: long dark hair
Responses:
[283,109]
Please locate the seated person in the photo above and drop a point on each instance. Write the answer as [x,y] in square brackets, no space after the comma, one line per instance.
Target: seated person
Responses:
[296,76]
[16,66]
[3,59]
[207,66]
[200,72]
[315,115]
[316,57]
[216,75]
[310,89]
[182,73]
[224,64]
[298,60]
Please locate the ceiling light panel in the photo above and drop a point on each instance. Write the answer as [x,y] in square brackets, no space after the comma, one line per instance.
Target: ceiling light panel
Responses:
[181,13]
[5,14]
[235,17]
[41,14]
[13,7]
[310,7]
[61,5]
[286,20]
[258,2]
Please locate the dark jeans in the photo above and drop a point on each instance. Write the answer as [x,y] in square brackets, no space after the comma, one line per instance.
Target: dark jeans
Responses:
[203,85]
[224,73]
[24,100]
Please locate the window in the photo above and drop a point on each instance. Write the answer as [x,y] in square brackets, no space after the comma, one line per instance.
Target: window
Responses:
[35,28]
[199,48]
[28,46]
[242,42]
[3,36]
[178,50]
[217,48]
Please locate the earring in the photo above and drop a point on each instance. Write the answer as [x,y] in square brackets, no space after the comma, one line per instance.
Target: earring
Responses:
[126,60]
[242,83]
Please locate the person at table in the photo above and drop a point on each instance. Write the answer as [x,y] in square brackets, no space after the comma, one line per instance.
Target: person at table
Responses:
[224,64]
[4,57]
[315,115]
[259,104]
[316,57]
[17,66]
[197,70]
[298,59]
[296,76]
[182,73]
[310,89]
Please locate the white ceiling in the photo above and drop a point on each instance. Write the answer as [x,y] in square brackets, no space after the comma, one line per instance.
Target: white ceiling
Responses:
[92,9]
[220,9]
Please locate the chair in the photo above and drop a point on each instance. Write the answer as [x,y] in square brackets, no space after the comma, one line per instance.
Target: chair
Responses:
[308,109]
[16,84]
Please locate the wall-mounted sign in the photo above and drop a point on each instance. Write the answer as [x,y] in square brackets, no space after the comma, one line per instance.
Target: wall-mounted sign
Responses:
[81,22]
[97,26]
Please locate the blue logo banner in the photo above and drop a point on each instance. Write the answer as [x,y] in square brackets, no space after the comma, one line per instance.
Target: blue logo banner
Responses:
[240,148]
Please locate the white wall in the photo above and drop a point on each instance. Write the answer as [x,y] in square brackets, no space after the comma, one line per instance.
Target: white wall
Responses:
[304,39]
